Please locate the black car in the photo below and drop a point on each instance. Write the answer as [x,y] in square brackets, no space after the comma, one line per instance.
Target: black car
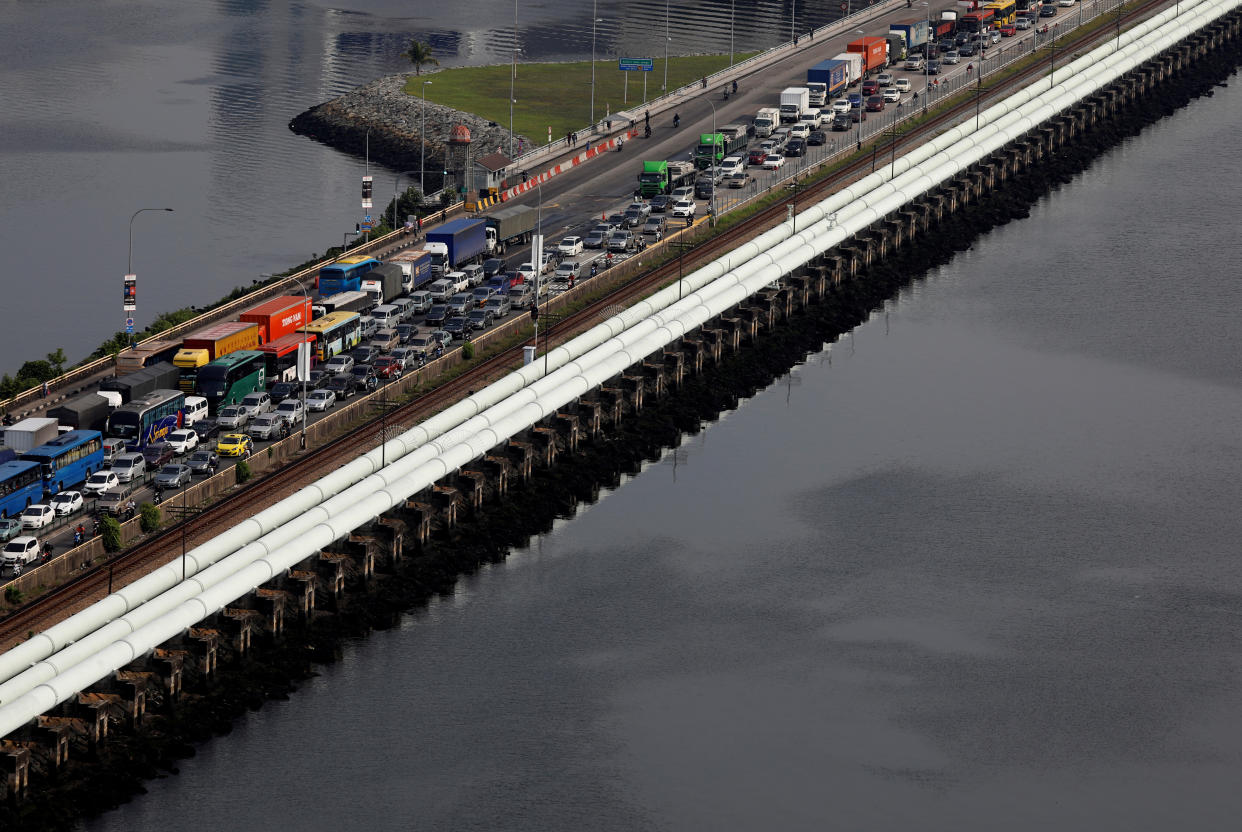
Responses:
[405,332]
[796,147]
[703,189]
[365,377]
[437,314]
[282,390]
[364,354]
[492,267]
[968,49]
[842,121]
[1047,11]
[202,462]
[317,379]
[933,67]
[946,44]
[961,39]
[659,203]
[456,327]
[817,138]
[479,319]
[617,220]
[343,385]
[206,429]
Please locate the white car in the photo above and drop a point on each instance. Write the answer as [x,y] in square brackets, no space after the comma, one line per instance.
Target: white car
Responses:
[98,483]
[885,79]
[21,550]
[320,400]
[37,516]
[338,364]
[913,63]
[570,246]
[732,164]
[527,271]
[235,417]
[841,105]
[774,161]
[892,94]
[256,404]
[67,502]
[182,441]
[1069,4]
[800,130]
[683,208]
[903,84]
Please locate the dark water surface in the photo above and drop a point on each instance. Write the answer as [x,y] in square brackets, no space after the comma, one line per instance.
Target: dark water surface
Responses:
[975,566]
[113,106]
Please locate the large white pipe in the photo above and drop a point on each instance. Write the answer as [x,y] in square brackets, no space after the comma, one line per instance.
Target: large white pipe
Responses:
[895,201]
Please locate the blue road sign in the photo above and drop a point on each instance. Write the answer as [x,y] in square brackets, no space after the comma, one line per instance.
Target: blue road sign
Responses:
[636,64]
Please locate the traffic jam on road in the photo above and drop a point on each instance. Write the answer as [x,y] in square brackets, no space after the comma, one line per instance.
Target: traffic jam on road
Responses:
[179,410]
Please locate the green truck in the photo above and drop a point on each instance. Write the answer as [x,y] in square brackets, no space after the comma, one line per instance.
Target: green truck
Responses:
[714,147]
[663,177]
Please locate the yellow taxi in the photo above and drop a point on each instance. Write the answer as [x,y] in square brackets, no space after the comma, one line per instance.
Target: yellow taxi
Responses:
[234,444]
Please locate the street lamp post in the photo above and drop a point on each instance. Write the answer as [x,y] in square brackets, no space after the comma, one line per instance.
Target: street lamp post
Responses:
[926,60]
[664,88]
[129,265]
[732,4]
[513,78]
[422,153]
[594,22]
[710,172]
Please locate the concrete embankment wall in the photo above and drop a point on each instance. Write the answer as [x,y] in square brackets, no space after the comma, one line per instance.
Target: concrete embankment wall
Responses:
[849,273]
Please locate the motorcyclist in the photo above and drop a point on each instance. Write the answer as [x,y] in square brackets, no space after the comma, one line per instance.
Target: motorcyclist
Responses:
[735,87]
[676,120]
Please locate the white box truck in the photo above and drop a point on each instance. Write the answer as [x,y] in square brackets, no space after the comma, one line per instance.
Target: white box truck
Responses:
[794,102]
[854,59]
[767,120]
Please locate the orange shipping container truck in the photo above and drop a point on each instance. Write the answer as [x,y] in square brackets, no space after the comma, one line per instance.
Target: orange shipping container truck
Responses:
[211,343]
[874,52]
[278,317]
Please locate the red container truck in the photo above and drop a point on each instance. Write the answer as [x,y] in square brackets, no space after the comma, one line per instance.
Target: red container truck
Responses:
[874,52]
[278,317]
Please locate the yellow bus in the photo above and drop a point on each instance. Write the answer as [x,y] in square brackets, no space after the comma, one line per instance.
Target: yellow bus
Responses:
[1004,11]
[335,333]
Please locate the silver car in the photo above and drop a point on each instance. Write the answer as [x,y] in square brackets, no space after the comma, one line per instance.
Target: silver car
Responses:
[268,426]
[320,400]
[233,417]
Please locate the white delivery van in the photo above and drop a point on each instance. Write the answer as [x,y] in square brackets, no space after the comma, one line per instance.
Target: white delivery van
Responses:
[195,409]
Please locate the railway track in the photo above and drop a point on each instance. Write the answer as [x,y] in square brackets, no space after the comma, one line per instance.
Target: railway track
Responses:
[244,502]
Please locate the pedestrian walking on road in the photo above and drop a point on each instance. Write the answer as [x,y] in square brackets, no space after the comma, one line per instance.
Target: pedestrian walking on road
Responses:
[45,389]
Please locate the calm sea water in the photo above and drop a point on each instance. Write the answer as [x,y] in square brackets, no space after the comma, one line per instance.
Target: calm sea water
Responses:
[114,106]
[974,566]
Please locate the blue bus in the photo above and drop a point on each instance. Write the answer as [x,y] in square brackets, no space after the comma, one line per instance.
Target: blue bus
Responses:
[68,459]
[21,485]
[148,419]
[345,275]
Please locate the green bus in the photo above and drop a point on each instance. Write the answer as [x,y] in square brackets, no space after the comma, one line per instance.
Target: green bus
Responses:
[229,379]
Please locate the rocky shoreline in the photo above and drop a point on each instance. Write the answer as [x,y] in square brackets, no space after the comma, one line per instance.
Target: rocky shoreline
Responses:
[393,119]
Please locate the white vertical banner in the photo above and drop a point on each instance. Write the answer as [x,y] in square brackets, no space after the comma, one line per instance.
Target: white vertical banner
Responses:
[304,360]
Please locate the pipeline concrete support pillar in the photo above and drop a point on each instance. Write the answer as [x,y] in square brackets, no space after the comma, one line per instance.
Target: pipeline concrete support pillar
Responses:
[633,386]
[522,455]
[16,763]
[675,366]
[566,424]
[471,484]
[499,468]
[301,586]
[204,643]
[546,446]
[446,500]
[695,350]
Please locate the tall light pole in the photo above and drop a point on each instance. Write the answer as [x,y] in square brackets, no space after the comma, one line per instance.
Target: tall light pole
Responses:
[793,14]
[131,280]
[422,153]
[732,4]
[305,371]
[594,21]
[862,109]
[664,88]
[513,78]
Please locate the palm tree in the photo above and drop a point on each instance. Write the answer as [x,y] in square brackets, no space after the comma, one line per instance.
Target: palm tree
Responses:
[419,54]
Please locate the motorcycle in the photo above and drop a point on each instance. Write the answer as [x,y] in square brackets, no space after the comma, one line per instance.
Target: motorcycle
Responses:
[676,121]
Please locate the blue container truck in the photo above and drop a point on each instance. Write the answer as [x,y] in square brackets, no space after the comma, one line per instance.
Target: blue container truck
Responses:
[455,244]
[834,74]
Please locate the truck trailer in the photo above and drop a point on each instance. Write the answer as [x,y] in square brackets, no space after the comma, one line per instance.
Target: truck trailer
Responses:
[30,433]
[359,302]
[874,52]
[88,411]
[833,74]
[455,244]
[854,62]
[415,265]
[383,283]
[159,376]
[914,32]
[277,317]
[713,147]
[511,226]
[210,343]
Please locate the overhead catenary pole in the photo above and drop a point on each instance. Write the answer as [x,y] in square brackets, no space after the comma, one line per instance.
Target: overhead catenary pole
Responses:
[303,371]
[513,77]
[664,89]
[732,6]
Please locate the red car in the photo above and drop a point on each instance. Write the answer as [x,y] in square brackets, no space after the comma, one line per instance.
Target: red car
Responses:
[387,367]
[875,104]
[757,156]
[1008,30]
[870,87]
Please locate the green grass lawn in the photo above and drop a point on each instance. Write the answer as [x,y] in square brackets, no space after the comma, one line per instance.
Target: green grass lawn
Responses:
[557,95]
